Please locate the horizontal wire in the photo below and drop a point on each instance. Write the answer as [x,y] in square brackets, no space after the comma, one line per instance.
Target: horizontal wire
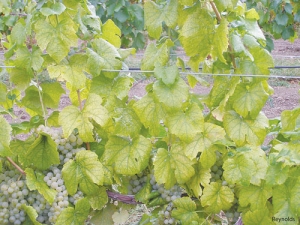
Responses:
[197,73]
[209,74]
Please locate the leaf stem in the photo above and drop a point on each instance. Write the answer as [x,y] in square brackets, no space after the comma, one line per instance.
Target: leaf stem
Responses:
[16,166]
[41,99]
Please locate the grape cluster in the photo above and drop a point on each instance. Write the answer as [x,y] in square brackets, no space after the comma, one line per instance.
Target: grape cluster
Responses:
[166,214]
[136,183]
[13,193]
[216,169]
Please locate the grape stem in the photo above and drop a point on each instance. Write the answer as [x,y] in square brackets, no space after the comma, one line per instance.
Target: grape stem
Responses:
[128,199]
[16,166]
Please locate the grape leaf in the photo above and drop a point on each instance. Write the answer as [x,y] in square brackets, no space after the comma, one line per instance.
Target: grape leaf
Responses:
[155,15]
[103,55]
[86,170]
[98,199]
[74,216]
[252,28]
[153,55]
[57,39]
[5,137]
[166,74]
[277,172]
[171,96]
[20,76]
[196,34]
[204,140]
[50,93]
[202,176]
[288,153]
[71,71]
[111,33]
[71,117]
[225,4]
[150,112]
[259,216]
[220,41]
[31,213]
[106,87]
[241,131]
[249,99]
[55,9]
[104,217]
[289,119]
[171,166]
[186,124]
[129,157]
[256,196]
[126,122]
[217,197]
[260,54]
[42,153]
[238,169]
[35,181]
[27,59]
[120,217]
[284,199]
[18,33]
[185,210]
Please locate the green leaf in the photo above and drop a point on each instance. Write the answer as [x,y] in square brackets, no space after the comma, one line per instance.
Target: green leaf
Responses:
[255,196]
[246,167]
[277,172]
[35,181]
[98,199]
[220,41]
[145,193]
[259,216]
[56,39]
[71,71]
[241,131]
[150,112]
[204,140]
[20,77]
[172,166]
[289,119]
[129,157]
[171,96]
[55,9]
[217,197]
[28,59]
[153,55]
[106,87]
[5,137]
[166,74]
[104,217]
[120,217]
[185,210]
[282,19]
[225,4]
[111,33]
[126,122]
[71,117]
[186,124]
[249,99]
[103,56]
[74,216]
[197,33]
[31,213]
[50,92]
[263,60]
[155,15]
[289,153]
[43,153]
[86,170]
[202,175]
[18,33]
[252,28]
[284,200]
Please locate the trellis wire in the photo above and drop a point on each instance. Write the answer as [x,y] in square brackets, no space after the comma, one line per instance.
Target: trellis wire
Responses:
[197,73]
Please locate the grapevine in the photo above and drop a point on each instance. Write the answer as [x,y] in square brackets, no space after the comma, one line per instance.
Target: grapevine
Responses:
[104,153]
